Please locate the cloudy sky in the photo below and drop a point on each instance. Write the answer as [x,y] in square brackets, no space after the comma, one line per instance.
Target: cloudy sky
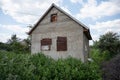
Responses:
[100,16]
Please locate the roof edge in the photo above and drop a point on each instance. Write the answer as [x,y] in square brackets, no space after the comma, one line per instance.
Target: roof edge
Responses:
[74,19]
[53,5]
[40,19]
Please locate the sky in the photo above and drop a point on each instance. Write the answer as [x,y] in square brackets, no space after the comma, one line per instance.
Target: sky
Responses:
[100,16]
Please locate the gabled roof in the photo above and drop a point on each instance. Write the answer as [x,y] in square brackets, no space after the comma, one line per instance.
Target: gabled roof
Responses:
[86,29]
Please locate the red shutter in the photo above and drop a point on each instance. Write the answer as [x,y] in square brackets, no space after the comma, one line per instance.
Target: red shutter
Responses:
[46,41]
[61,44]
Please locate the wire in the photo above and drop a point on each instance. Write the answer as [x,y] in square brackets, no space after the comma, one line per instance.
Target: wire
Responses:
[23,13]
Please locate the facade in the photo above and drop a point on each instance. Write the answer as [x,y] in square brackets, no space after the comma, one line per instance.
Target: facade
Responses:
[59,35]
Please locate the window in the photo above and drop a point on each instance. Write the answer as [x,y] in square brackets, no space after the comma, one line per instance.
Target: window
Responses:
[46,44]
[61,44]
[53,17]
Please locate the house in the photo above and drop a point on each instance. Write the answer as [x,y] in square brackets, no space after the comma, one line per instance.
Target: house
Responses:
[59,35]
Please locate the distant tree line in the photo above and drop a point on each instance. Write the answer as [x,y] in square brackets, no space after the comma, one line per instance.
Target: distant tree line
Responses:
[15,44]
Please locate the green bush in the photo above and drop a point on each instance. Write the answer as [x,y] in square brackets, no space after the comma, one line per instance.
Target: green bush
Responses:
[98,56]
[39,67]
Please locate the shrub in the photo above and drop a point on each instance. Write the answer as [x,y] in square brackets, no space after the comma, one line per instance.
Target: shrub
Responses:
[98,56]
[40,67]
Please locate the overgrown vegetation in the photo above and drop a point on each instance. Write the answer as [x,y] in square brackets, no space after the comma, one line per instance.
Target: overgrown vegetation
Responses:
[104,65]
[39,67]
[105,52]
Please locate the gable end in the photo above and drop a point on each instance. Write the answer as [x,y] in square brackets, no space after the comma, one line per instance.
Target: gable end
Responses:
[86,29]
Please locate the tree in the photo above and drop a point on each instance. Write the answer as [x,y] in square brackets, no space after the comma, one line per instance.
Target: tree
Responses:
[17,45]
[13,39]
[110,42]
[4,46]
[95,44]
[9,45]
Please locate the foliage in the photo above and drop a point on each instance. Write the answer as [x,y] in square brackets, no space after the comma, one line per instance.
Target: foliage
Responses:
[13,39]
[27,44]
[95,45]
[99,57]
[111,69]
[103,51]
[110,42]
[16,45]
[5,47]
[39,67]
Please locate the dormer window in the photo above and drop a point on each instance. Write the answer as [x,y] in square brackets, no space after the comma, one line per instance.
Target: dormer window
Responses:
[53,17]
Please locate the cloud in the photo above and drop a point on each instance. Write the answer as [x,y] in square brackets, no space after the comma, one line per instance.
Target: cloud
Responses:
[8,30]
[101,28]
[77,1]
[4,37]
[65,8]
[26,11]
[14,28]
[93,9]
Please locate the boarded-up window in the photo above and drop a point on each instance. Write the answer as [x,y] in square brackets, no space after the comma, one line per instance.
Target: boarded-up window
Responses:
[53,17]
[46,44]
[61,44]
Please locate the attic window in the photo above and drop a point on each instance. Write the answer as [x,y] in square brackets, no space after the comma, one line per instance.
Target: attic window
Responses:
[61,44]
[53,17]
[46,44]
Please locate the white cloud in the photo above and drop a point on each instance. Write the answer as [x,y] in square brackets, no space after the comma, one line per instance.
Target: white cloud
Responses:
[8,30]
[101,28]
[66,9]
[93,10]
[26,11]
[4,37]
[77,1]
[14,28]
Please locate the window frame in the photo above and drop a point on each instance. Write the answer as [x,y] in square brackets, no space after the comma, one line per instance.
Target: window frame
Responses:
[53,17]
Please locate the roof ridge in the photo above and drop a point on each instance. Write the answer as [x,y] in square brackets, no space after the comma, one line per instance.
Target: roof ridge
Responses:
[70,16]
